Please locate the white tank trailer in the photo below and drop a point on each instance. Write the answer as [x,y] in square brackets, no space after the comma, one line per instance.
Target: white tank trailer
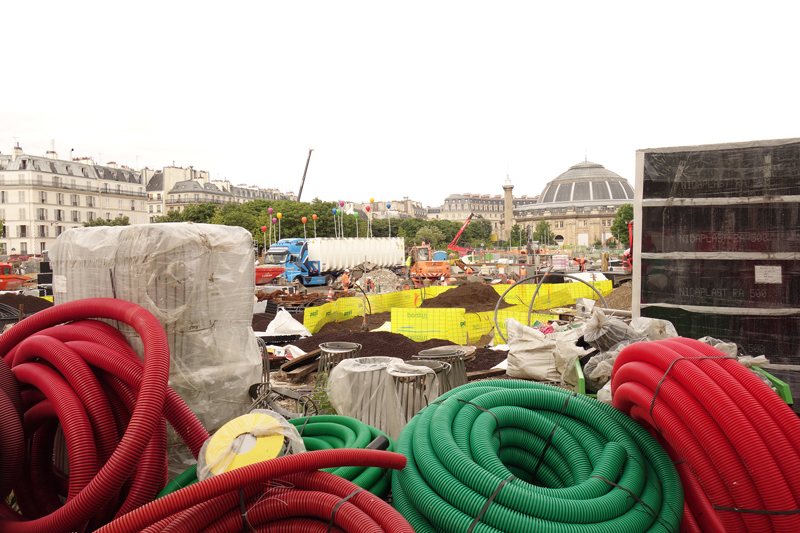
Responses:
[318,261]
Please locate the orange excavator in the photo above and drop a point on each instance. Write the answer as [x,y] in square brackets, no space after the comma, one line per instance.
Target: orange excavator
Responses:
[424,267]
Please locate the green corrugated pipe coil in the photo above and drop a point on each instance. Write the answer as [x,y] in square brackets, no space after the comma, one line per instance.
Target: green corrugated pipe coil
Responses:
[481,443]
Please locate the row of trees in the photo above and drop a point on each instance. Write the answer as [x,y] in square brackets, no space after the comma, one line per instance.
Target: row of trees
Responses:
[255,214]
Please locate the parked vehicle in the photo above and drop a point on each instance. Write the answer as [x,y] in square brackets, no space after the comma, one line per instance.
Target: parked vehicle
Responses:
[8,280]
[318,261]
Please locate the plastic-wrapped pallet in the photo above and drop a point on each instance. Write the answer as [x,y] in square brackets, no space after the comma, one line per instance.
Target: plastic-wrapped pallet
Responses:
[197,279]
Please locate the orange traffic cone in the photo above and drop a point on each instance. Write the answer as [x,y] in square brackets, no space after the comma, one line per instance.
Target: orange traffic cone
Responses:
[330,293]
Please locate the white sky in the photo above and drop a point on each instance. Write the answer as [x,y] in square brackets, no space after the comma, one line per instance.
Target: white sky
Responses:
[417,99]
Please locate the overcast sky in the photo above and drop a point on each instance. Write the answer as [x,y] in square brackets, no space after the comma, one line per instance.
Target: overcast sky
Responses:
[417,99]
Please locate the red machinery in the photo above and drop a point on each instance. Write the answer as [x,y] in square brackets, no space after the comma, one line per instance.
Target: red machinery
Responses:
[454,245]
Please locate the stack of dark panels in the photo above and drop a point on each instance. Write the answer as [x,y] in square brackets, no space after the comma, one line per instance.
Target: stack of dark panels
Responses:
[718,243]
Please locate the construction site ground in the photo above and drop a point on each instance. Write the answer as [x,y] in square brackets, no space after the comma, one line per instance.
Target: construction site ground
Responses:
[474,297]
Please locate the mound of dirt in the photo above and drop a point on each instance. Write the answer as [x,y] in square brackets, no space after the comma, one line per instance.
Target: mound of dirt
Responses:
[473,297]
[32,304]
[373,344]
[620,298]
[354,324]
[385,344]
[262,320]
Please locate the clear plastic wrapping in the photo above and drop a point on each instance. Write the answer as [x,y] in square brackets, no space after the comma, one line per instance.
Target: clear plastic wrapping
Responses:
[257,436]
[197,279]
[362,388]
[604,331]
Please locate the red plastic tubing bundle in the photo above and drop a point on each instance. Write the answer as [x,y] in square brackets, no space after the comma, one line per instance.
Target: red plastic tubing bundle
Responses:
[286,494]
[736,444]
[110,405]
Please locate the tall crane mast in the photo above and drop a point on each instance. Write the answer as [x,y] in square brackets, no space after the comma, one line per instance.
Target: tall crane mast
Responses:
[304,174]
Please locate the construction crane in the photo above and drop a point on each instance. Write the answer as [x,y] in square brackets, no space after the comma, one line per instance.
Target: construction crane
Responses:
[304,174]
[454,245]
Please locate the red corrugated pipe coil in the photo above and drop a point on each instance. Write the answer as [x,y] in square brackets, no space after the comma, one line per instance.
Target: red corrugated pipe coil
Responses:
[735,442]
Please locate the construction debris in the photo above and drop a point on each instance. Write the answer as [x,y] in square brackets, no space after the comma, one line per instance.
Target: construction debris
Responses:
[473,297]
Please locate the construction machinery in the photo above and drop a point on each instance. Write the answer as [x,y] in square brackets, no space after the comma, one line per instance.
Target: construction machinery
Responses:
[424,267]
[304,174]
[454,245]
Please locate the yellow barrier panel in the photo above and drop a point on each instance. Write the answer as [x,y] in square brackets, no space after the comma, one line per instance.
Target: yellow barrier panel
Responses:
[424,324]
[464,324]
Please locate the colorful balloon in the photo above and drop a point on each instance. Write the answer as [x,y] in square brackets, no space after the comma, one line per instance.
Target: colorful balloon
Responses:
[264,229]
[279,216]
[334,211]
[367,208]
[388,206]
[341,203]
[372,200]
[274,220]
[304,220]
[314,217]
[269,210]
[355,215]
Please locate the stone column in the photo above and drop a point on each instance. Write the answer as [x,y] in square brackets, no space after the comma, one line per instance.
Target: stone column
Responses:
[508,210]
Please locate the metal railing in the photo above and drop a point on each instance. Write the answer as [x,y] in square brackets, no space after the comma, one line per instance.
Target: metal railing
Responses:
[52,184]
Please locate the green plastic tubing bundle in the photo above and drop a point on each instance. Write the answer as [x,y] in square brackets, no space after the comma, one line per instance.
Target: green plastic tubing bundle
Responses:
[473,465]
[325,433]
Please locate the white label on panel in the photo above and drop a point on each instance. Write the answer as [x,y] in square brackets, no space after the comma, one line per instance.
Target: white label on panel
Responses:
[60,283]
[768,274]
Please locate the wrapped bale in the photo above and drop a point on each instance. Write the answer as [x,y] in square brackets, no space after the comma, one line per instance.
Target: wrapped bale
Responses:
[197,280]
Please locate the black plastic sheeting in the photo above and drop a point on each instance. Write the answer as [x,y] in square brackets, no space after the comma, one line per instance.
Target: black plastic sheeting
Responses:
[723,228]
[729,283]
[754,171]
[776,337]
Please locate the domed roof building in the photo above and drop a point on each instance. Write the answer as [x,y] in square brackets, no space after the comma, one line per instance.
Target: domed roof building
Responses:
[579,204]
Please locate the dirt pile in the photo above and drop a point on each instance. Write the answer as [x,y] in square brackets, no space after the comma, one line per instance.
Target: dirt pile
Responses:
[354,324]
[32,304]
[620,298]
[473,297]
[262,320]
[385,344]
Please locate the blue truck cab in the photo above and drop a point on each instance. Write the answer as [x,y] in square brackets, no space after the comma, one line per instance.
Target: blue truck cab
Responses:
[292,256]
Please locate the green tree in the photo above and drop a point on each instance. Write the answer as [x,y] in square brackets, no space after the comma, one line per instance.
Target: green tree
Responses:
[170,216]
[199,213]
[119,221]
[619,228]
[430,233]
[515,238]
[543,233]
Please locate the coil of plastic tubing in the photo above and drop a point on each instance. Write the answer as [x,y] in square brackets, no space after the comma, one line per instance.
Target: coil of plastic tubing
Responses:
[286,494]
[474,465]
[84,377]
[328,432]
[735,442]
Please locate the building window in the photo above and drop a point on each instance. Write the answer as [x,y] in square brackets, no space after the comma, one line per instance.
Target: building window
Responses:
[90,201]
[158,196]
[90,216]
[158,208]
[59,215]
[23,248]
[133,205]
[22,231]
[150,208]
[41,214]
[74,199]
[43,197]
[76,216]
[60,198]
[152,220]
[3,197]
[141,205]
[108,203]
[21,197]
[42,231]
[23,213]
[108,216]
[59,230]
